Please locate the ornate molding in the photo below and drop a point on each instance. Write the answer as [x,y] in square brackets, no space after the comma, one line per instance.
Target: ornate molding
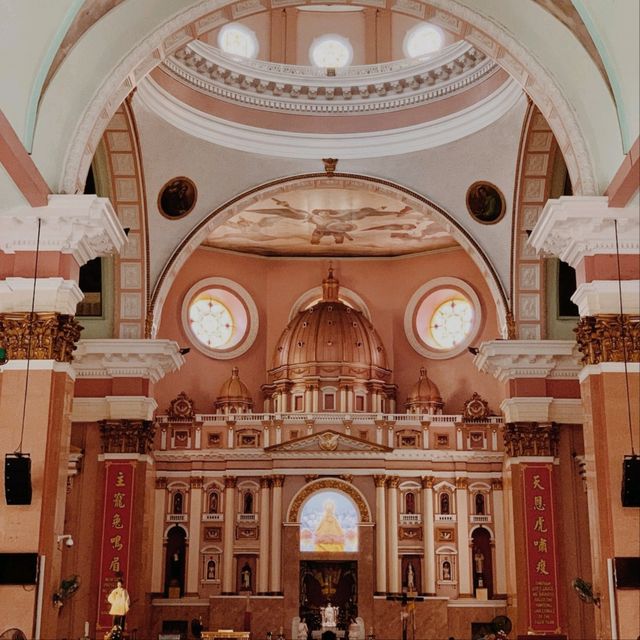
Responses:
[496,484]
[328,483]
[277,481]
[428,482]
[510,359]
[531,439]
[52,294]
[118,358]
[573,227]
[39,336]
[607,338]
[83,225]
[304,89]
[113,408]
[265,483]
[600,297]
[230,482]
[380,481]
[462,483]
[196,482]
[127,436]
[393,482]
[181,408]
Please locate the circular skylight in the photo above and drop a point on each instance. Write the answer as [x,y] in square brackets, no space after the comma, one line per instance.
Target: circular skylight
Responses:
[238,40]
[423,40]
[331,51]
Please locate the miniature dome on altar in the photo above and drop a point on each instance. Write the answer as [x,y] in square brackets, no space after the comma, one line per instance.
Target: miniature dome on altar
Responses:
[234,396]
[330,358]
[425,396]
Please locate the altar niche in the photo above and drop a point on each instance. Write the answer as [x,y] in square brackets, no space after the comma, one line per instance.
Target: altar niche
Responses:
[322,582]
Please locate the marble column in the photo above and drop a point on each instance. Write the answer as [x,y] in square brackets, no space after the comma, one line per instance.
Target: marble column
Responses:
[157,559]
[276,534]
[195,526]
[428,535]
[393,578]
[500,584]
[381,534]
[263,558]
[464,553]
[229,534]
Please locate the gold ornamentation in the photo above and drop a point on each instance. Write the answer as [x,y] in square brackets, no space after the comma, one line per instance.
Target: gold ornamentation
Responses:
[328,441]
[462,483]
[410,533]
[393,482]
[380,481]
[427,482]
[476,408]
[52,336]
[347,477]
[330,165]
[606,338]
[531,439]
[278,481]
[181,408]
[512,332]
[329,483]
[310,477]
[127,436]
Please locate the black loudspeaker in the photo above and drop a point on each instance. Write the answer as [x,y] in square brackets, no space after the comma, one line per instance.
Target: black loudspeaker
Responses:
[17,478]
[631,481]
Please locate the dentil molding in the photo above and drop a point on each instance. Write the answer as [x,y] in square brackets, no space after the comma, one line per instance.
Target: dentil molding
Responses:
[573,227]
[511,359]
[83,225]
[148,359]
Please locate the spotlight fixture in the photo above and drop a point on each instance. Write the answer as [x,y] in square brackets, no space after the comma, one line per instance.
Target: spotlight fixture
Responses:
[473,350]
[66,538]
[184,350]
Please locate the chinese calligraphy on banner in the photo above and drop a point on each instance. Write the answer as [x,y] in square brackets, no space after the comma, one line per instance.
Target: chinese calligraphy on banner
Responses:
[116,532]
[541,551]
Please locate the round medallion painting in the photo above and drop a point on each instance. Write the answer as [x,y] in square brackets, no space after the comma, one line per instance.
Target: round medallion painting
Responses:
[485,203]
[177,197]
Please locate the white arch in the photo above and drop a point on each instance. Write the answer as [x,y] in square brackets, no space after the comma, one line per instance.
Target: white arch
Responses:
[171,526]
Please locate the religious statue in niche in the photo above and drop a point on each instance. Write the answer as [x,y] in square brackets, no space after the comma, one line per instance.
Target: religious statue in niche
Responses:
[411,578]
[485,203]
[177,197]
[245,578]
[177,503]
[329,615]
[410,502]
[213,502]
[211,570]
[446,571]
[478,566]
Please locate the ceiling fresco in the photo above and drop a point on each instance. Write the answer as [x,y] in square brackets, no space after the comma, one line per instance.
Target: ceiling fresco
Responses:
[336,221]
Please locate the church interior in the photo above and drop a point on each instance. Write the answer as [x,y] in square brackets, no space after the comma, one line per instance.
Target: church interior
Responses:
[320,319]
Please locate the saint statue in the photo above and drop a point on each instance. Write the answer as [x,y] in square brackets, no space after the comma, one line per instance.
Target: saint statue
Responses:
[478,560]
[411,581]
[329,615]
[245,578]
[303,630]
[329,534]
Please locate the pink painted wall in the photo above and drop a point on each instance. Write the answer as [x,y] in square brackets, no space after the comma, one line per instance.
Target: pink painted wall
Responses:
[275,284]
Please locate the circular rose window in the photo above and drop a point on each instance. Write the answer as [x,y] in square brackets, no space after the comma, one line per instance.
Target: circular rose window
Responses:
[442,318]
[220,317]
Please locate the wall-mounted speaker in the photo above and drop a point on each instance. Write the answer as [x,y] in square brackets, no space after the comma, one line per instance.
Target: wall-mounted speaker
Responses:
[17,478]
[631,481]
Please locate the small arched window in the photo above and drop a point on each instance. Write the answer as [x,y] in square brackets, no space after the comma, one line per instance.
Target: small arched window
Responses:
[445,503]
[410,502]
[247,502]
[178,503]
[480,504]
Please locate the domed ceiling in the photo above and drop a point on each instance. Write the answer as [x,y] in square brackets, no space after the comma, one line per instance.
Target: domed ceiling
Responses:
[329,217]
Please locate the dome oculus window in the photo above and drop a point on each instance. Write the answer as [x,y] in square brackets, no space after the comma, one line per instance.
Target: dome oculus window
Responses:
[238,40]
[442,318]
[220,318]
[331,51]
[423,40]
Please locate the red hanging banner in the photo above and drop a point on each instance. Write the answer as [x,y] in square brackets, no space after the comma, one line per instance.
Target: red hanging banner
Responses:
[542,572]
[116,533]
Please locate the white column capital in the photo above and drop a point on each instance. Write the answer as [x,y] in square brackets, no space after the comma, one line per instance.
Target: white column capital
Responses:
[573,227]
[83,225]
[52,294]
[511,359]
[113,408]
[529,409]
[603,297]
[119,358]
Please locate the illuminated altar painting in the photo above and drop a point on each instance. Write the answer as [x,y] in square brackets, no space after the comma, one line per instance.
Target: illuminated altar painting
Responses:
[329,523]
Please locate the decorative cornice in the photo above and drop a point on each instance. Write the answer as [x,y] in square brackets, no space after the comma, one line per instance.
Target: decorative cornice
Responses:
[511,359]
[328,441]
[113,408]
[52,294]
[309,90]
[312,145]
[609,338]
[127,436]
[543,409]
[118,358]
[39,336]
[531,439]
[573,227]
[83,225]
[603,297]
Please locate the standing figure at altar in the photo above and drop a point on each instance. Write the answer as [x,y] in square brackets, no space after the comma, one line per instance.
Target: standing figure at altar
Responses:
[329,615]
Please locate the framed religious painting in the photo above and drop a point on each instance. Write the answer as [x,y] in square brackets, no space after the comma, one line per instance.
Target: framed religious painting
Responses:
[485,203]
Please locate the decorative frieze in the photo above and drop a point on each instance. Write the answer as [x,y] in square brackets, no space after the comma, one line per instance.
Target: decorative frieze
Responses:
[127,436]
[39,336]
[609,338]
[531,439]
